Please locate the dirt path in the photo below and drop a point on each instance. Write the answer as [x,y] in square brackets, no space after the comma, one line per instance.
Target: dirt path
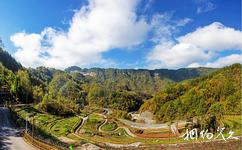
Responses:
[129,133]
[150,126]
[81,124]
[122,127]
[100,127]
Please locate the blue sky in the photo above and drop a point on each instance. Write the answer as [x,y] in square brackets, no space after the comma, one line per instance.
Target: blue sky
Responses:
[122,34]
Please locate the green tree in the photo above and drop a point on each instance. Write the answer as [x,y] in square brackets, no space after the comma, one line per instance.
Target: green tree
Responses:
[38,93]
[22,87]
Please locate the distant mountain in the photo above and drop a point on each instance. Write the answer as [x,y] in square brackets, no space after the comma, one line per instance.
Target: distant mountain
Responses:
[219,93]
[174,75]
[140,80]
[8,61]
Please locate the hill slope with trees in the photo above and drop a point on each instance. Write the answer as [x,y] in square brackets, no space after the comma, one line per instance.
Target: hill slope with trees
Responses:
[125,89]
[8,61]
[214,95]
[147,81]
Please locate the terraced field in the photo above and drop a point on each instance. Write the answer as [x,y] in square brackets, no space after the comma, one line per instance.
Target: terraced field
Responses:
[56,126]
[109,126]
[96,126]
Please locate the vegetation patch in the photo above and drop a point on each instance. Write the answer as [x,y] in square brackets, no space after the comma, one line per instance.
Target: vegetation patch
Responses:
[65,126]
[92,123]
[109,126]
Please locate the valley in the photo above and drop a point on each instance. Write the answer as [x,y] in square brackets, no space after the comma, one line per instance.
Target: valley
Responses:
[121,108]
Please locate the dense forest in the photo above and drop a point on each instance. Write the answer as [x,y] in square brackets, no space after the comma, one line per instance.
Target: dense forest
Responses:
[125,89]
[18,84]
[147,81]
[206,97]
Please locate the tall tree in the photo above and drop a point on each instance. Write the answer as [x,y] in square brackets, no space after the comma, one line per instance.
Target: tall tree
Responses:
[22,87]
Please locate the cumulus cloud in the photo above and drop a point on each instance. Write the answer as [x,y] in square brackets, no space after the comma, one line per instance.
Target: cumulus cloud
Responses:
[29,46]
[171,55]
[198,47]
[215,37]
[95,28]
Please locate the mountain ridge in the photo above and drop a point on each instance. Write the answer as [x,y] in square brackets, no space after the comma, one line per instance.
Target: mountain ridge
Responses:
[175,74]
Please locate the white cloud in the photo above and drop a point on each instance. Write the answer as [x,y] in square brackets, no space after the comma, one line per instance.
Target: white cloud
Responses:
[147,5]
[225,61]
[204,6]
[215,36]
[94,29]
[29,48]
[170,55]
[164,27]
[197,47]
[220,62]
[194,65]
[183,22]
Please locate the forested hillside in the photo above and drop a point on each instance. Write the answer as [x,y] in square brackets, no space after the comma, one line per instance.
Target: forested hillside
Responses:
[140,80]
[8,61]
[17,84]
[214,95]
[63,92]
[14,79]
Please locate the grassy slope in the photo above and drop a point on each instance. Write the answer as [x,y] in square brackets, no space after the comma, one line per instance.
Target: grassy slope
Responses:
[109,126]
